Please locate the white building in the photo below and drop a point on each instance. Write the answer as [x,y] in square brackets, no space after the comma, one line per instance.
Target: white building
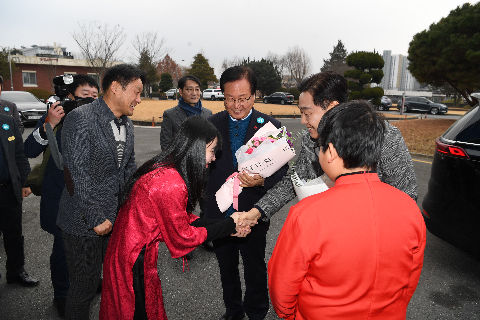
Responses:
[395,73]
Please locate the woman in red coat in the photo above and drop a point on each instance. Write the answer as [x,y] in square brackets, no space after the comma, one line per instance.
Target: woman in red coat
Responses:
[157,204]
[354,251]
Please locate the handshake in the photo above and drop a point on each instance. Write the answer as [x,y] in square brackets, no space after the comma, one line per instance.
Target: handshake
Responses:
[244,221]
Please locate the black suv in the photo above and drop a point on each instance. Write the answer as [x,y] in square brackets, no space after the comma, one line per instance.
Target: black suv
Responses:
[282,97]
[451,205]
[423,105]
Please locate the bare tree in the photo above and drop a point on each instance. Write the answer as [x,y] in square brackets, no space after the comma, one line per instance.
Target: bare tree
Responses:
[298,63]
[100,44]
[50,68]
[148,43]
[235,61]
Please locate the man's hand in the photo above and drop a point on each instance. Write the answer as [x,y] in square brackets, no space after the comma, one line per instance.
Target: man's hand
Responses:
[55,114]
[26,192]
[249,181]
[104,228]
[249,218]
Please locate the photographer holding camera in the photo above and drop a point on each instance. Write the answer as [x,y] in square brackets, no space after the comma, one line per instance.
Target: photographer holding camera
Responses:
[70,92]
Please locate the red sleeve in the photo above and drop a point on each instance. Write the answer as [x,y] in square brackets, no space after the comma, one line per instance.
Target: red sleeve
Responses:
[168,199]
[288,266]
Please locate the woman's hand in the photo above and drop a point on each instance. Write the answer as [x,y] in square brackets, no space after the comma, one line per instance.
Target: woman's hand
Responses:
[248,181]
[242,231]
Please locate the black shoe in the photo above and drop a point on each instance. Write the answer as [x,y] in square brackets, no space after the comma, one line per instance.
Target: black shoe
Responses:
[227,317]
[208,245]
[99,288]
[22,279]
[189,255]
[59,304]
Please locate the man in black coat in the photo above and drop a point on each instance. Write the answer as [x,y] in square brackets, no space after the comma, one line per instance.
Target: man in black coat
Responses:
[237,125]
[14,170]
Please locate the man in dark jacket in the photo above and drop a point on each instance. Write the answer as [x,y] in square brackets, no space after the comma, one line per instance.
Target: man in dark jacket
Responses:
[189,104]
[83,89]
[14,170]
[10,109]
[237,125]
[98,156]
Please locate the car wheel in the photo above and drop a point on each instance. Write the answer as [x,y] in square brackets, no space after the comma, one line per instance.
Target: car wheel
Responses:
[434,111]
[380,108]
[282,101]
[265,101]
[212,98]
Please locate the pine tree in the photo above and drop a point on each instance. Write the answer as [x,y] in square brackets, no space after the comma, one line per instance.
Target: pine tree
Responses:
[201,69]
[337,62]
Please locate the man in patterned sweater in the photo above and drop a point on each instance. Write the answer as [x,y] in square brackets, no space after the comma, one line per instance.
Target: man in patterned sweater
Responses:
[319,93]
[98,156]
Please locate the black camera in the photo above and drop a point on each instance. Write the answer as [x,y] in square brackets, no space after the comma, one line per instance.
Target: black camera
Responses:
[61,94]
[61,90]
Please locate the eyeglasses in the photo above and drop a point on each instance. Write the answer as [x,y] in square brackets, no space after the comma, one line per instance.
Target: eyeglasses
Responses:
[190,90]
[241,101]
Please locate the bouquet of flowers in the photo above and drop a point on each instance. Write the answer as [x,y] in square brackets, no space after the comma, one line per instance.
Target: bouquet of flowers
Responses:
[308,188]
[268,150]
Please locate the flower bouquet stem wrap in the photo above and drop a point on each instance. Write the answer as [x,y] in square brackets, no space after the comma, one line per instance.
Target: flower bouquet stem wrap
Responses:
[264,154]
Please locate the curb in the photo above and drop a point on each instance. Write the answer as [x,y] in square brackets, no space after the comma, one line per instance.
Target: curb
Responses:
[421,155]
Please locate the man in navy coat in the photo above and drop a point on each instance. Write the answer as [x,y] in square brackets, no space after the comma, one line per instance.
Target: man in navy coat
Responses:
[14,170]
[83,89]
[237,124]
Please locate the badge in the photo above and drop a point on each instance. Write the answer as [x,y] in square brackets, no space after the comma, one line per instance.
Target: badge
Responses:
[11,138]
[260,120]
[6,109]
[5,127]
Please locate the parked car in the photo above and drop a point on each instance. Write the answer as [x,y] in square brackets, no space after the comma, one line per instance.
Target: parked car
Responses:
[171,93]
[423,105]
[29,107]
[279,97]
[451,206]
[213,94]
[385,104]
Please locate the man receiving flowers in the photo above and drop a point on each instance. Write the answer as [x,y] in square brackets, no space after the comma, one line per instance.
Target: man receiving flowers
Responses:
[237,125]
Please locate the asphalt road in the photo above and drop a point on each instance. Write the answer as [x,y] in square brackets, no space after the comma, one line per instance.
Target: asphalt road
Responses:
[449,287]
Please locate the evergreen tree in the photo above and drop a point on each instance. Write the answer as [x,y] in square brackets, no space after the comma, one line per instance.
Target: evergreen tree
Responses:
[268,78]
[166,82]
[5,66]
[146,65]
[201,69]
[449,52]
[338,60]
[368,69]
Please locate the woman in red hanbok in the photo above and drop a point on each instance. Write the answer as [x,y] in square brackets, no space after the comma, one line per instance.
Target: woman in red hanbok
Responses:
[158,201]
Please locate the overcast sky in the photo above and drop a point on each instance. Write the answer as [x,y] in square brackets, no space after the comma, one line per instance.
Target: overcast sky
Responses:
[225,29]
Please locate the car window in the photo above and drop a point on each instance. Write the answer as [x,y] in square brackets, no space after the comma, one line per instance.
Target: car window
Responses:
[466,129]
[18,97]
[218,90]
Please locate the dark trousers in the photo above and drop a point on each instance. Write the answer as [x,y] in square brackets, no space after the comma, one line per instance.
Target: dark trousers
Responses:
[11,227]
[59,269]
[84,261]
[252,248]
[139,287]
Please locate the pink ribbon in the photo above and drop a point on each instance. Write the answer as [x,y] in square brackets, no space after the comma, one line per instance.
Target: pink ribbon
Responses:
[236,191]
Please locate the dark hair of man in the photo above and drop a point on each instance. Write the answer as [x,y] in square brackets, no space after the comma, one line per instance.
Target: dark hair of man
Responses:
[237,73]
[186,153]
[123,74]
[325,87]
[183,80]
[356,131]
[81,80]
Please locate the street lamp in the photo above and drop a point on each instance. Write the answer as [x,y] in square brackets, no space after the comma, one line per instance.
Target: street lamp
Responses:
[11,76]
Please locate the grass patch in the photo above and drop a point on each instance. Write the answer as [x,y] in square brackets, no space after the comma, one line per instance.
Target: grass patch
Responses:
[420,134]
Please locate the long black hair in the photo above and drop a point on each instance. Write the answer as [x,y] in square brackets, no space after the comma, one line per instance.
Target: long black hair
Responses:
[186,153]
